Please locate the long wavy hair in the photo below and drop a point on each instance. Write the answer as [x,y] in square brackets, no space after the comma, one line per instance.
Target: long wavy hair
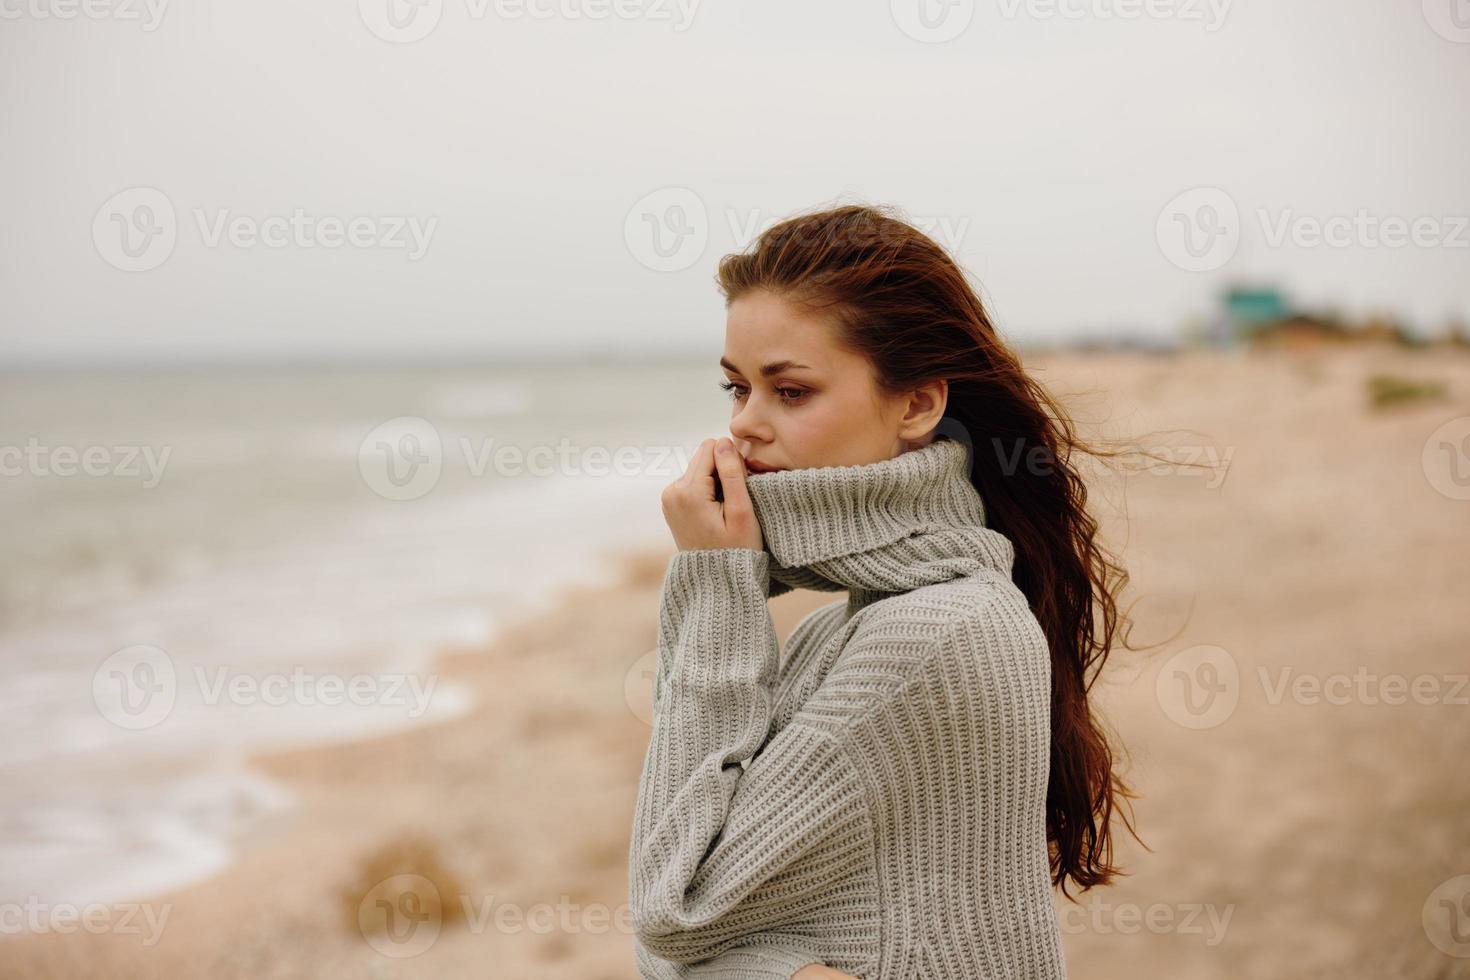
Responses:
[901,301]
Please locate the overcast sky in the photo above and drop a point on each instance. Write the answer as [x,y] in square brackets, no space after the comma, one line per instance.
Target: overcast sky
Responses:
[283,179]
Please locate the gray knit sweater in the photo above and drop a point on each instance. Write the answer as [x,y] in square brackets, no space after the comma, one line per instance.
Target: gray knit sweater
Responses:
[874,797]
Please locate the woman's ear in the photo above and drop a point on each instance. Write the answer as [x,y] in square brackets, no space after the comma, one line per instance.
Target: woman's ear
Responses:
[925,408]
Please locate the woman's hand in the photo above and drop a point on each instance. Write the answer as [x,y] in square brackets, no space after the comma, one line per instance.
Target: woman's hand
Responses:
[818,972]
[696,518]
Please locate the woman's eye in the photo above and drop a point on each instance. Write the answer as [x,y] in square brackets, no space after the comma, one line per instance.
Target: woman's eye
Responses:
[787,395]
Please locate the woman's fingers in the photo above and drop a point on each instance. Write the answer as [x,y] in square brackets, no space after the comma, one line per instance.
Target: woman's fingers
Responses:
[693,505]
[817,971]
[731,468]
[702,469]
[741,527]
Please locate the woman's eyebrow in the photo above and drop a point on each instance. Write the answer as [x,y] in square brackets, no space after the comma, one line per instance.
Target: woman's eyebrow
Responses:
[775,367]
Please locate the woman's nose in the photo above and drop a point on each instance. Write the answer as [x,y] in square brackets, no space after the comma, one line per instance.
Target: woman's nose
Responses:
[745,424]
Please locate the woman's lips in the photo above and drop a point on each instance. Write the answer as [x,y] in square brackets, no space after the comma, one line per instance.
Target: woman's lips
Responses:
[756,466]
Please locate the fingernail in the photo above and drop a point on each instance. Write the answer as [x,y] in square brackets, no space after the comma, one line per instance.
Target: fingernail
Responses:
[722,446]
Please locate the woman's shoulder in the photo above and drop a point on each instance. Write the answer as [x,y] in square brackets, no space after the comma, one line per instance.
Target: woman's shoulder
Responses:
[968,601]
[950,653]
[971,645]
[972,617]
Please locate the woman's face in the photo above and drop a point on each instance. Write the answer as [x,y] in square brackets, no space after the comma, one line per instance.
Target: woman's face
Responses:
[819,405]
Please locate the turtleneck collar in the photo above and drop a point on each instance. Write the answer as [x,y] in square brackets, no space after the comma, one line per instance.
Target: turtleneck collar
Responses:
[877,529]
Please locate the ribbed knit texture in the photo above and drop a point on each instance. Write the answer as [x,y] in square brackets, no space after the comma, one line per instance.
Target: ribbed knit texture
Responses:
[873,799]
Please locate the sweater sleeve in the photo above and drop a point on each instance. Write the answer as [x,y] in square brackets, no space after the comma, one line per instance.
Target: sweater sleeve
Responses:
[778,959]
[721,808]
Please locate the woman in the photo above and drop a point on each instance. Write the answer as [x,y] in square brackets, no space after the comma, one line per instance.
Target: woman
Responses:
[896,795]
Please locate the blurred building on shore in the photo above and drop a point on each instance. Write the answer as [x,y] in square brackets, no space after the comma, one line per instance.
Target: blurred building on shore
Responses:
[1261,317]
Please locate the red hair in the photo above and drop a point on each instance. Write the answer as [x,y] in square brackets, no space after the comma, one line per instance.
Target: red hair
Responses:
[901,301]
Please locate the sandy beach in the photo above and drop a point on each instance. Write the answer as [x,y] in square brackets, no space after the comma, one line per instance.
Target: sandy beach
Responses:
[1309,820]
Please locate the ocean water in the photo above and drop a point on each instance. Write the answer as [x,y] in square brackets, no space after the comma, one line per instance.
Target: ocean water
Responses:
[202,565]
